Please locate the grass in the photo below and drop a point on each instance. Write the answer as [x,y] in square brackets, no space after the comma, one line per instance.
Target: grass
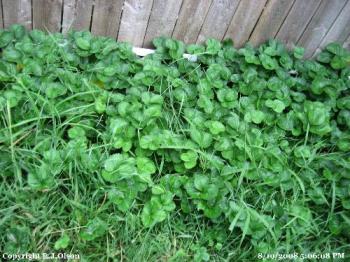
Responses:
[41,218]
[33,220]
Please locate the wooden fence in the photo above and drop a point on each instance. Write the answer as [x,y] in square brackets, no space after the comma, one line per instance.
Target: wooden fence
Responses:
[308,23]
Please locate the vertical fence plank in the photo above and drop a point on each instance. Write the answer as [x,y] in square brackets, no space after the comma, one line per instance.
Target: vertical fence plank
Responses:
[218,19]
[340,29]
[76,15]
[162,20]
[347,43]
[83,14]
[270,20]
[106,17]
[1,20]
[297,20]
[244,21]
[134,21]
[311,24]
[320,24]
[17,12]
[68,15]
[47,15]
[190,21]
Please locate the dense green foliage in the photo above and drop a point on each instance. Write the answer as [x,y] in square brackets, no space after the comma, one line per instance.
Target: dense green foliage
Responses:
[103,153]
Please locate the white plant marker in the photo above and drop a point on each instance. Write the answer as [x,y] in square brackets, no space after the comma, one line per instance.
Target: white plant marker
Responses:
[145,51]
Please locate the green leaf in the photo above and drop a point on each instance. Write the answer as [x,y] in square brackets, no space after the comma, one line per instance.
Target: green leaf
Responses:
[250,74]
[195,49]
[100,104]
[62,242]
[286,61]
[213,46]
[18,30]
[94,229]
[170,43]
[158,190]
[324,57]
[54,90]
[11,55]
[257,116]
[190,159]
[76,132]
[17,238]
[277,105]
[317,113]
[41,178]
[123,198]
[303,152]
[274,84]
[53,158]
[157,209]
[340,62]
[5,38]
[268,62]
[12,98]
[118,167]
[298,52]
[33,67]
[145,165]
[254,116]
[201,182]
[225,95]
[201,254]
[215,127]
[177,48]
[110,70]
[83,43]
[205,103]
[335,48]
[319,85]
[150,142]
[203,139]
[344,102]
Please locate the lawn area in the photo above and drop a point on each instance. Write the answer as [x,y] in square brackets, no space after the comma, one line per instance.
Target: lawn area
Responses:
[234,155]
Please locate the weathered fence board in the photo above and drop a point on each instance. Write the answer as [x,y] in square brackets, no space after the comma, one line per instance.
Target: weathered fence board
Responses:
[320,24]
[76,15]
[190,21]
[218,19]
[1,20]
[297,20]
[106,17]
[17,12]
[340,29]
[162,20]
[134,21]
[270,20]
[308,23]
[47,14]
[347,43]
[244,20]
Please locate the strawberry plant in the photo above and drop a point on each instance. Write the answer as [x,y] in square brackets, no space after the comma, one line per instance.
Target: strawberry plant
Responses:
[238,152]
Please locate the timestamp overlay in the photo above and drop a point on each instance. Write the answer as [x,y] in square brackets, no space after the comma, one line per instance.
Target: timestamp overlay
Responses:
[301,256]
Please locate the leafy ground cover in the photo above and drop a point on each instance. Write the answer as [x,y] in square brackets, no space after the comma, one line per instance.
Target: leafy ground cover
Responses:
[119,158]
